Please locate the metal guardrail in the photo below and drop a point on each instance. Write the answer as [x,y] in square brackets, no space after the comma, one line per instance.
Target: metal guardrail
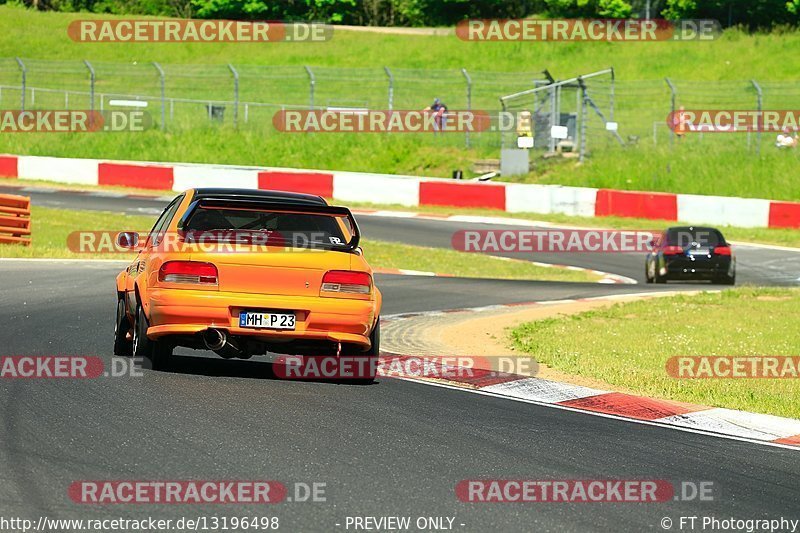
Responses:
[15,219]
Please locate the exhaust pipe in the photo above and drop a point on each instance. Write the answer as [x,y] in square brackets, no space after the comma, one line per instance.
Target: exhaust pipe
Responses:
[220,343]
[215,339]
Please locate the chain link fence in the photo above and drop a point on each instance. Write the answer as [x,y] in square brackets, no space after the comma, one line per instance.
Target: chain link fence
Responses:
[597,109]
[248,96]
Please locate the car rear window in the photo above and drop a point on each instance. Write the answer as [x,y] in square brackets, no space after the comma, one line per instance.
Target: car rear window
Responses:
[299,229]
[702,236]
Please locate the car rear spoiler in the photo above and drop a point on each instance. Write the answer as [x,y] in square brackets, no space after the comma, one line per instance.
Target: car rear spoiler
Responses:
[330,210]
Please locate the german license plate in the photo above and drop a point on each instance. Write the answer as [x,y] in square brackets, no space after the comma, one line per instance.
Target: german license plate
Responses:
[258,320]
[699,251]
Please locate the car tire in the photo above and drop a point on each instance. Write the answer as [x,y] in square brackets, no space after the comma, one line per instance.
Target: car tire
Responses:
[647,277]
[372,355]
[122,346]
[158,353]
[726,280]
[659,278]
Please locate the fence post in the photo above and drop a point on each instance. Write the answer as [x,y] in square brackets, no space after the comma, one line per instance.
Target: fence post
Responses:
[391,87]
[553,119]
[24,70]
[759,104]
[91,89]
[502,130]
[235,96]
[311,83]
[611,106]
[583,121]
[672,109]
[163,95]
[469,102]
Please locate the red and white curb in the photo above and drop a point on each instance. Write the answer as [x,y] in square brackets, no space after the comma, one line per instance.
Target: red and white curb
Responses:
[412,190]
[720,422]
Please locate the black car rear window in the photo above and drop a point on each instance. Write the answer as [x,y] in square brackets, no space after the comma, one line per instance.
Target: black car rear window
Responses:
[314,228]
[702,236]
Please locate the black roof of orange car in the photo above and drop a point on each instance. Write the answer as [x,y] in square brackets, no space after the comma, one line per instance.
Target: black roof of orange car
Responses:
[277,197]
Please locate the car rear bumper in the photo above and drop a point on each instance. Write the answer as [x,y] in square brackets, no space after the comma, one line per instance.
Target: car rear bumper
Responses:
[709,269]
[186,312]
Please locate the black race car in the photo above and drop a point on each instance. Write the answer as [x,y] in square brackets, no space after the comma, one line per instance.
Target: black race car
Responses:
[690,253]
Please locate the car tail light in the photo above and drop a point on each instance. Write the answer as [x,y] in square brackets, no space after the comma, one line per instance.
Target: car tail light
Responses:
[673,250]
[346,281]
[188,272]
[722,250]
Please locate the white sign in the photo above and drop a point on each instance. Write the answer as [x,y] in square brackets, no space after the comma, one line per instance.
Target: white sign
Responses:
[524,142]
[559,132]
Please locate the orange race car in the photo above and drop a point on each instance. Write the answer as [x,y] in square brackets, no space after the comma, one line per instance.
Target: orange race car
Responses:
[244,272]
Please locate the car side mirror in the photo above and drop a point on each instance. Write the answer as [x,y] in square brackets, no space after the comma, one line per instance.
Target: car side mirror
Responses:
[127,239]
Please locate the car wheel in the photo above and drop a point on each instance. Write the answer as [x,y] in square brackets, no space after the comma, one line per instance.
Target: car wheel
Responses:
[647,277]
[371,355]
[726,280]
[158,353]
[659,278]
[122,346]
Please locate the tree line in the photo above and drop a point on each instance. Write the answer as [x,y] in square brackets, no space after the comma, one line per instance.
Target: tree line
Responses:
[750,14]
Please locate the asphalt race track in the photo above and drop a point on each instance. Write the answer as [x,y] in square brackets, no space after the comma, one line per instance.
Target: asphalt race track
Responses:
[756,265]
[392,448]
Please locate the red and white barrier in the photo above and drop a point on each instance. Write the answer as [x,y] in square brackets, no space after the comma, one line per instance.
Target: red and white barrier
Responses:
[413,191]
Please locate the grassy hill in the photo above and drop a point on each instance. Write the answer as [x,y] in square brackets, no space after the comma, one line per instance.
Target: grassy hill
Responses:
[349,71]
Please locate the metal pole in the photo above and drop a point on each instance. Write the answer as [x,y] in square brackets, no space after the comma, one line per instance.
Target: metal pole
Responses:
[613,81]
[91,84]
[235,96]
[583,124]
[552,145]
[311,83]
[759,104]
[502,130]
[24,70]
[672,109]
[469,102]
[163,95]
[391,86]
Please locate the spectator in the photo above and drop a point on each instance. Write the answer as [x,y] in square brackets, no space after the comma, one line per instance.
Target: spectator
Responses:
[439,109]
[680,123]
[786,139]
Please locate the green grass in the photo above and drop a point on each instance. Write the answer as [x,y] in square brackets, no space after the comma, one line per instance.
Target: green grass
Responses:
[52,227]
[718,164]
[629,344]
